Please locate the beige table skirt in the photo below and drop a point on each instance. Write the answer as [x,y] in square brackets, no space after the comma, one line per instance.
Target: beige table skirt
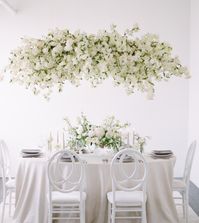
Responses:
[32,189]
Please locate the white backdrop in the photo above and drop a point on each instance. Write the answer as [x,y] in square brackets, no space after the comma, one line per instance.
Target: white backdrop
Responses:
[194,90]
[26,120]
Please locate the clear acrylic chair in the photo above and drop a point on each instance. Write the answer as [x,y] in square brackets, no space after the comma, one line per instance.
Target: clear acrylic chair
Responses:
[181,185]
[128,195]
[8,183]
[66,196]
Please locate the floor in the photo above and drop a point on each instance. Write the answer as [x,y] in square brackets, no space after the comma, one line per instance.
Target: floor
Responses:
[193,218]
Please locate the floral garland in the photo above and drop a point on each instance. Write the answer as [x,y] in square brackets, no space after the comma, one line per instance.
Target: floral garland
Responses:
[135,63]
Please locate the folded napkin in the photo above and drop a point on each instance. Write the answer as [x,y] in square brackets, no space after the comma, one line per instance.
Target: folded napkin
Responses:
[127,159]
[66,158]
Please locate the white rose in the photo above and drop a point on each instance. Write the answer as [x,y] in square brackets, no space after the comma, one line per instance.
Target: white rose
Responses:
[99,132]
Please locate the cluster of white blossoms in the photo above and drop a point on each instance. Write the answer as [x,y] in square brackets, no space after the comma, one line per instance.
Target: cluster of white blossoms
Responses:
[86,134]
[135,63]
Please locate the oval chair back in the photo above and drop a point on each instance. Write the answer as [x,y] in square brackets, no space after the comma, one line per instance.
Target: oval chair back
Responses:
[6,179]
[2,168]
[5,160]
[189,161]
[121,178]
[62,167]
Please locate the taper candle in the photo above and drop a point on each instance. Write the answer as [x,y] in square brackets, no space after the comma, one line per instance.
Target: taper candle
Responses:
[57,137]
[127,137]
[133,137]
[63,141]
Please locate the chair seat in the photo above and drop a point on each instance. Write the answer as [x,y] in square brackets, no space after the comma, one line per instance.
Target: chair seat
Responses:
[177,195]
[178,184]
[11,184]
[124,198]
[73,197]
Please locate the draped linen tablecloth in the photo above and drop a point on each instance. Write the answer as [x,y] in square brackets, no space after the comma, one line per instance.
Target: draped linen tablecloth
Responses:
[32,190]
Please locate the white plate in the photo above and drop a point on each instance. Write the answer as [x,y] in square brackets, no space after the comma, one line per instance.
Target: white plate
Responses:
[31,151]
[162,152]
[31,155]
[162,156]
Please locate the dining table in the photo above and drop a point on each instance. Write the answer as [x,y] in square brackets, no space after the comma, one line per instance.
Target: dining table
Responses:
[32,189]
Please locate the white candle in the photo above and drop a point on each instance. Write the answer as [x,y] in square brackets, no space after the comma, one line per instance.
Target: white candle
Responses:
[63,141]
[49,146]
[133,137]
[57,137]
[50,142]
[127,138]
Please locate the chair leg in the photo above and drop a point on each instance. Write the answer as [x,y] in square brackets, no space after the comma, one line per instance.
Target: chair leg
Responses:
[186,207]
[49,214]
[109,212]
[144,216]
[183,205]
[3,206]
[10,202]
[113,214]
[82,212]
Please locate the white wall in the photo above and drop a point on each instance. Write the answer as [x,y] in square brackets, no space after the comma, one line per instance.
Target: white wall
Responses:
[193,86]
[26,120]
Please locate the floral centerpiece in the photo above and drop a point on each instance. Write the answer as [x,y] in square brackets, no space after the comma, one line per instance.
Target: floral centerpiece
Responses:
[85,134]
[134,62]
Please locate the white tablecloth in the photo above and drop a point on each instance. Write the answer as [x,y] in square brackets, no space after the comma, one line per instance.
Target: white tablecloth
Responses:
[32,189]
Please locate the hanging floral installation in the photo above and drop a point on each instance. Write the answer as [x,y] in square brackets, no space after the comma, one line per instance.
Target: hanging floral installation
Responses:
[134,62]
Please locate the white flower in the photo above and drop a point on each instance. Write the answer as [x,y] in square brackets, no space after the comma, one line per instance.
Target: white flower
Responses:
[136,63]
[35,51]
[45,50]
[85,133]
[91,133]
[38,66]
[68,45]
[99,132]
[110,133]
[57,49]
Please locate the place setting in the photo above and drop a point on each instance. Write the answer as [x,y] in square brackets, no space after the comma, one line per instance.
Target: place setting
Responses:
[31,153]
[161,154]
